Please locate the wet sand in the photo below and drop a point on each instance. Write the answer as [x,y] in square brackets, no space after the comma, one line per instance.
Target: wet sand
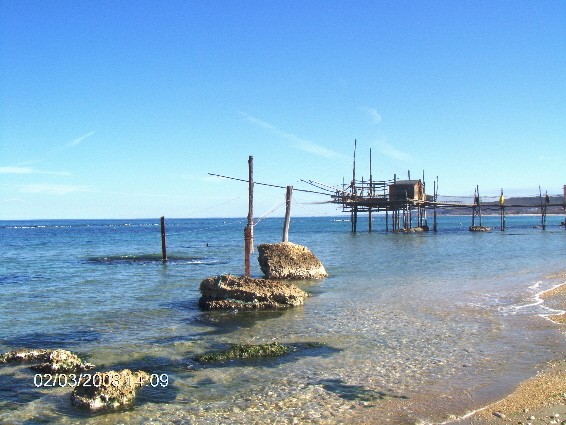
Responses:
[541,399]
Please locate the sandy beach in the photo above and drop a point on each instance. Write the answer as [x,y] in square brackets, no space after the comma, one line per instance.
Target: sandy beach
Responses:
[541,399]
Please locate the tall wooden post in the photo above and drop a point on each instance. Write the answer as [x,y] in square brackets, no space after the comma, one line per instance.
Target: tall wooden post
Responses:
[288,196]
[476,210]
[543,209]
[502,210]
[370,194]
[249,230]
[435,190]
[354,219]
[163,240]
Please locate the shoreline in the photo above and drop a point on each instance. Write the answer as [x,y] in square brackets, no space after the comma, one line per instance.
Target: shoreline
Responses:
[540,399]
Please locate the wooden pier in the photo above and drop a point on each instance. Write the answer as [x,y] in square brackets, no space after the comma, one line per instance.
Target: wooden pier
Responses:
[408,210]
[407,206]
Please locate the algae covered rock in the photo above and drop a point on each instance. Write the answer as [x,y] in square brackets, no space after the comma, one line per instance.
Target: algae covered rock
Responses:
[240,292]
[52,361]
[108,390]
[245,351]
[62,361]
[286,260]
[25,355]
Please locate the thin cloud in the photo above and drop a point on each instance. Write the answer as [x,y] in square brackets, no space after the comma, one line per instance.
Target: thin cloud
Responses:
[30,170]
[16,170]
[52,189]
[315,149]
[373,115]
[392,152]
[298,142]
[257,121]
[80,139]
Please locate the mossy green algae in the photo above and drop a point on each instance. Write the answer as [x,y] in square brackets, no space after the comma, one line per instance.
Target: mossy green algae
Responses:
[244,351]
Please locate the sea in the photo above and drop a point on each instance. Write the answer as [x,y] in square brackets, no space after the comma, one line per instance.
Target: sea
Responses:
[407,328]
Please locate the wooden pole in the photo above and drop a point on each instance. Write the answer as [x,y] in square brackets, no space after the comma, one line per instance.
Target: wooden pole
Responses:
[542,209]
[354,219]
[288,196]
[163,240]
[434,190]
[502,207]
[479,204]
[249,230]
[371,193]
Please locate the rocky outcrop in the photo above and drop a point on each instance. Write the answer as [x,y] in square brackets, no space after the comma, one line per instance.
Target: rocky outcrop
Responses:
[25,355]
[108,390]
[240,292]
[287,260]
[52,361]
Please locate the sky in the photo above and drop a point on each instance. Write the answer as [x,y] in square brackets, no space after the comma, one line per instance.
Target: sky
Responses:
[122,109]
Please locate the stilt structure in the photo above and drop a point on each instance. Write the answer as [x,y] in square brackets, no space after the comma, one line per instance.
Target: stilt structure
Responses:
[399,199]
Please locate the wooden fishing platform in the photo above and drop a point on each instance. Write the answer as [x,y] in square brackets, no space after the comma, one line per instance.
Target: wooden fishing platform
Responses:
[407,206]
[409,210]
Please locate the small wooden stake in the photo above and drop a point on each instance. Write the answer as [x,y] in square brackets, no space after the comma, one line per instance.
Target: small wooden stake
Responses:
[163,240]
[288,196]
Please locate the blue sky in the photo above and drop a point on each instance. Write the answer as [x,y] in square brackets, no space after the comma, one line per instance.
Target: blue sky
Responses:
[121,109]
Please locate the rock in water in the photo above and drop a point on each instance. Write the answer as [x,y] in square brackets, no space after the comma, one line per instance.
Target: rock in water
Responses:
[108,390]
[25,355]
[53,361]
[240,292]
[287,260]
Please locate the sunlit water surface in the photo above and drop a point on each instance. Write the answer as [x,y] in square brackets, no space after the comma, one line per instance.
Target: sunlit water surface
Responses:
[407,327]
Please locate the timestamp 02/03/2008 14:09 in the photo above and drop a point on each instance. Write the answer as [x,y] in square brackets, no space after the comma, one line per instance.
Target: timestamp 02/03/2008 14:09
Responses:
[96,380]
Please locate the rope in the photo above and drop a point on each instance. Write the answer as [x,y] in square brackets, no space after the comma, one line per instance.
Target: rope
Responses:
[267,184]
[269,212]
[221,203]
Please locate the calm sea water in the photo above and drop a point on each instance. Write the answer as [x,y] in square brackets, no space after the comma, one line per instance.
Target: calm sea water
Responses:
[409,328]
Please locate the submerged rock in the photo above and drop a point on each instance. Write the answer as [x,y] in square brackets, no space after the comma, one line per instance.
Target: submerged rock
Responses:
[240,292]
[52,361]
[108,390]
[286,260]
[245,351]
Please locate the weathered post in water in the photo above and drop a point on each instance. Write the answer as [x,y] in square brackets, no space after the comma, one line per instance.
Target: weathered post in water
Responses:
[435,196]
[163,240]
[288,197]
[249,230]
[543,208]
[502,210]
